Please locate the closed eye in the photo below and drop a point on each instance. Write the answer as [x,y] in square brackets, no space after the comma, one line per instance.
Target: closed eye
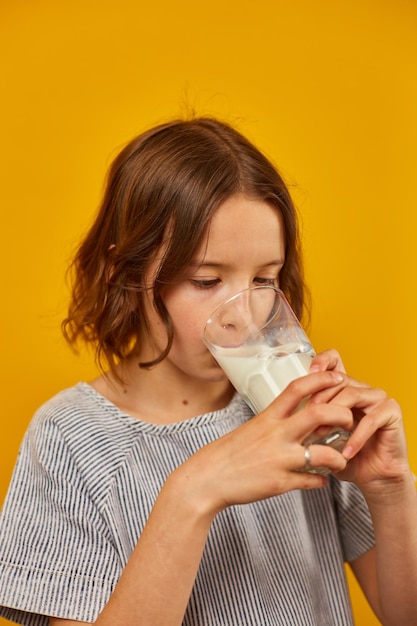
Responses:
[209,283]
[265,281]
[205,284]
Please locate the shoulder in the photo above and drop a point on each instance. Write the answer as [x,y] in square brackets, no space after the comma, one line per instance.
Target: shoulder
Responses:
[78,427]
[78,411]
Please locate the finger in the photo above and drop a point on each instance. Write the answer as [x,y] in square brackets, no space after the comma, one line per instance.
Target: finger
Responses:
[321,460]
[361,397]
[327,360]
[320,416]
[299,479]
[326,395]
[386,416]
[303,387]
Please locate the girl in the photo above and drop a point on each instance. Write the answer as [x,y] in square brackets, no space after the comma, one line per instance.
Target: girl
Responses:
[152,495]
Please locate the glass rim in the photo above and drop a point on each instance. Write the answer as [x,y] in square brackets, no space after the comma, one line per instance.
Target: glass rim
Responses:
[277,290]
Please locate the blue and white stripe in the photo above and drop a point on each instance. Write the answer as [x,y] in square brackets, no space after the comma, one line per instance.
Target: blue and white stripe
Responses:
[83,486]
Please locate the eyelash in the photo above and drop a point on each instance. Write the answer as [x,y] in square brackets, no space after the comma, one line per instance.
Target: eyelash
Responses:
[266,281]
[204,284]
[209,284]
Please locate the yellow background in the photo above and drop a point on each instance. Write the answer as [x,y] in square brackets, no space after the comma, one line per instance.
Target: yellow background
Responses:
[328,89]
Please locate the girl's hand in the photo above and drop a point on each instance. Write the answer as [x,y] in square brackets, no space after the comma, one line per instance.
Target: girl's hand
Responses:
[262,457]
[327,360]
[376,450]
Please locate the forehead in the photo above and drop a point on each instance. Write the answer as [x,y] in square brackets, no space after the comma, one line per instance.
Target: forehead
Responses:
[244,227]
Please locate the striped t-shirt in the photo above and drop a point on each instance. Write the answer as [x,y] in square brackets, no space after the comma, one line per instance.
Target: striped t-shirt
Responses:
[84,484]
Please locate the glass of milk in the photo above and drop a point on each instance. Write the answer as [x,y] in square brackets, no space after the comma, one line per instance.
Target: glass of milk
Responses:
[259,343]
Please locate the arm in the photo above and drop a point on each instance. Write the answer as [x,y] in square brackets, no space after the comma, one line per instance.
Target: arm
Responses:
[378,465]
[387,573]
[157,580]
[156,583]
[253,462]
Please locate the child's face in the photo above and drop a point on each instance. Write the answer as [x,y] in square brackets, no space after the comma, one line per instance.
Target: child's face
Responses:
[244,247]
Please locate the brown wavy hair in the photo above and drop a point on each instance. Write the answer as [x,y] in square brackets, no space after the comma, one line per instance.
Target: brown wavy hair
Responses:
[162,191]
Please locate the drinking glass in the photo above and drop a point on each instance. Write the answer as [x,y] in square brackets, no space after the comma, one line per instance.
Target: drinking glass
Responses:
[259,343]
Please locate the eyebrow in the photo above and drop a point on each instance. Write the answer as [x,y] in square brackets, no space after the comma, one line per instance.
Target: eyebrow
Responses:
[209,263]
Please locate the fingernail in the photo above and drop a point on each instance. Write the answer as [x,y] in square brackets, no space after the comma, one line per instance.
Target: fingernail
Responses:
[347,452]
[314,368]
[338,377]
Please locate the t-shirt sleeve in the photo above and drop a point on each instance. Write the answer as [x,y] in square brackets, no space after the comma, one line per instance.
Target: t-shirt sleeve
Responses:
[354,519]
[57,557]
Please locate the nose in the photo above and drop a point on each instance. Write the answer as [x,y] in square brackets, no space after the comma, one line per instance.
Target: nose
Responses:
[241,318]
[236,318]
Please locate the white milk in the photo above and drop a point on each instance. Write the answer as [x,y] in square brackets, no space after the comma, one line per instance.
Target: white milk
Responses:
[260,373]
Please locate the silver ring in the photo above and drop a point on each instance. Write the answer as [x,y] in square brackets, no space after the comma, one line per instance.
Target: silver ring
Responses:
[307,456]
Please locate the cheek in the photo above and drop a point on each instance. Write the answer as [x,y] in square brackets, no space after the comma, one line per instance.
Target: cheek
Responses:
[189,313]
[189,329]
[188,324]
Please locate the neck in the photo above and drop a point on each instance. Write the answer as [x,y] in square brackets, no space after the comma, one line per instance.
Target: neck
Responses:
[159,396]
